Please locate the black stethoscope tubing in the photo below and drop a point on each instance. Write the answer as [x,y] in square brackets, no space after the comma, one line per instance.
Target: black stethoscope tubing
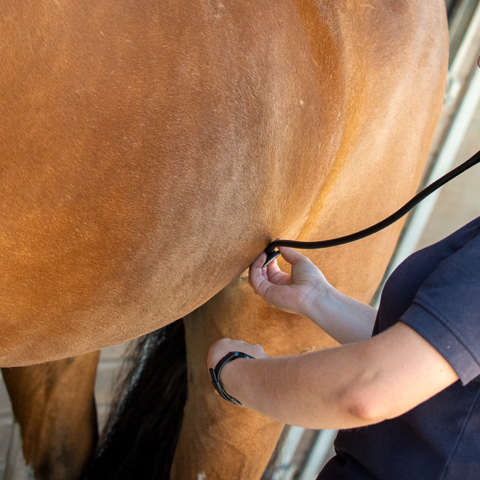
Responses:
[272,253]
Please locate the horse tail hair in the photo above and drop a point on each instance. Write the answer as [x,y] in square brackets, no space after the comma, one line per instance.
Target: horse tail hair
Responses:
[144,425]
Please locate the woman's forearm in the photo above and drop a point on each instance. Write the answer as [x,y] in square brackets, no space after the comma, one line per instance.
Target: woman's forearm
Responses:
[311,391]
[343,318]
[343,387]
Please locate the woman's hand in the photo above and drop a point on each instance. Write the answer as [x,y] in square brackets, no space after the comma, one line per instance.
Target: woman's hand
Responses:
[295,293]
[221,347]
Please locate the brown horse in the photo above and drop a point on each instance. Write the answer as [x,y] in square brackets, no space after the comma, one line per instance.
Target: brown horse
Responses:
[150,151]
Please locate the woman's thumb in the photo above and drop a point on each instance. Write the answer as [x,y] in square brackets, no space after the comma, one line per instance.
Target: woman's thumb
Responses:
[292,256]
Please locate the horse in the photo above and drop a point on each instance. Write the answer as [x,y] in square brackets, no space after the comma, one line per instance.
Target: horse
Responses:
[151,150]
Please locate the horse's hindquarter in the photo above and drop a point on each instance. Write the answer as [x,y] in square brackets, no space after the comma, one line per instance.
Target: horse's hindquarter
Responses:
[150,152]
[395,57]
[380,73]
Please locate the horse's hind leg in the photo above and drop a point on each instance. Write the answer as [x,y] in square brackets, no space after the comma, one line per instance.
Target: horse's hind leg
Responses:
[219,441]
[54,406]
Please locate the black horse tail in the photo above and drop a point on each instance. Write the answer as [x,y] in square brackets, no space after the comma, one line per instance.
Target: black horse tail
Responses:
[144,425]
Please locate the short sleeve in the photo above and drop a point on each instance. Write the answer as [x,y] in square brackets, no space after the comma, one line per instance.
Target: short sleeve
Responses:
[446,310]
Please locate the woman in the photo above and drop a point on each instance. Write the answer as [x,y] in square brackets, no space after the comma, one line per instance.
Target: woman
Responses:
[413,387]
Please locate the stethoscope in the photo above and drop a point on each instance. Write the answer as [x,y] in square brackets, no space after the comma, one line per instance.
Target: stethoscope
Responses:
[273,252]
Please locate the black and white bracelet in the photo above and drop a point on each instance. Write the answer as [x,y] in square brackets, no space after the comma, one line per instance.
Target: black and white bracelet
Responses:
[215,374]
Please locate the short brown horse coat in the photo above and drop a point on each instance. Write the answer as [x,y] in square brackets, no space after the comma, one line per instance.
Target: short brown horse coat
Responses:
[149,151]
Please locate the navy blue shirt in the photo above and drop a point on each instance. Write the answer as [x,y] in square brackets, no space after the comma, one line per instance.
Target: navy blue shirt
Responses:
[436,291]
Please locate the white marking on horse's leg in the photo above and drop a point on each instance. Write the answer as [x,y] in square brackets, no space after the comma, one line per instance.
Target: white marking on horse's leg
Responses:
[16,468]
[202,476]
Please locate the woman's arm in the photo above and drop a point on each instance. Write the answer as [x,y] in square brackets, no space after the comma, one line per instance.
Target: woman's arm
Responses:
[344,387]
[307,292]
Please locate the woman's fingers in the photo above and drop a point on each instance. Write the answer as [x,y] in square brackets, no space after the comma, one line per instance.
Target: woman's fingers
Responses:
[276,275]
[273,273]
[262,279]
[258,275]
[260,260]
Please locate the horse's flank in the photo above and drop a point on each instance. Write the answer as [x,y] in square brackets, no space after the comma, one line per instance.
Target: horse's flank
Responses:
[145,146]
